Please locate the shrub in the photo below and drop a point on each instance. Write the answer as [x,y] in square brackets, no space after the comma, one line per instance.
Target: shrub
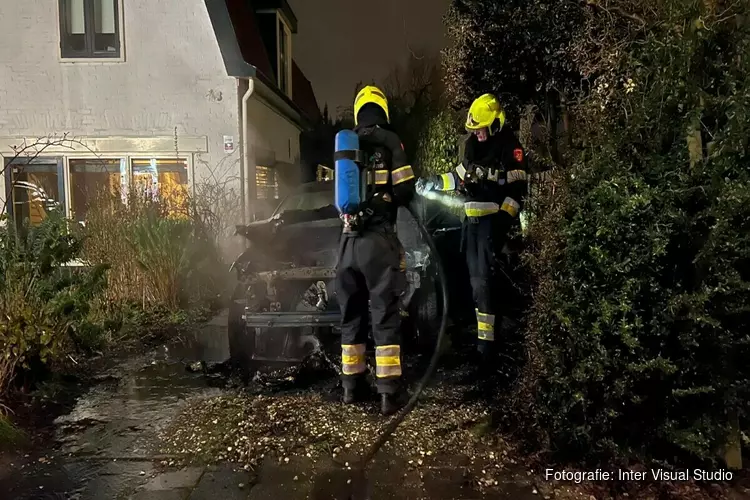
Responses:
[155,258]
[107,235]
[44,306]
[161,247]
[515,49]
[640,323]
[437,148]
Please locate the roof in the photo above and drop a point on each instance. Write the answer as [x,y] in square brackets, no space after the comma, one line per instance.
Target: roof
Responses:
[303,94]
[246,55]
[233,49]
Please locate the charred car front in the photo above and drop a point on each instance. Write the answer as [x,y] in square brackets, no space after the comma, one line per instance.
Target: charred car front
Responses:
[284,306]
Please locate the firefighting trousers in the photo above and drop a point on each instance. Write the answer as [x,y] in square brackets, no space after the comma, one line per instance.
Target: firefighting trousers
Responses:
[483,244]
[370,279]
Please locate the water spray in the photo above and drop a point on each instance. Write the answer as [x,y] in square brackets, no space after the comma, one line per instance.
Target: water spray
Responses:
[447,200]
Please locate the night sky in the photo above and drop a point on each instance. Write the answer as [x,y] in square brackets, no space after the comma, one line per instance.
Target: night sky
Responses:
[342,42]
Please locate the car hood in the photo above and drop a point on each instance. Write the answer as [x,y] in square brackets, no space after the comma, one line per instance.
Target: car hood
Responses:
[311,237]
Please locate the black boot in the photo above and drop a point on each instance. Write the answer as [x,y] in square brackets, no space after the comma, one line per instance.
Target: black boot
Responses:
[487,359]
[392,403]
[357,394]
[350,395]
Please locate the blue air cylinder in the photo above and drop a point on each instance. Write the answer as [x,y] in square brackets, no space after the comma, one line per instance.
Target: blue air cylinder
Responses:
[347,178]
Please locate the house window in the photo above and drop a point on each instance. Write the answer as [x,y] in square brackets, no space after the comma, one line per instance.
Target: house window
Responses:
[324,174]
[268,187]
[165,180]
[90,29]
[285,58]
[96,182]
[34,189]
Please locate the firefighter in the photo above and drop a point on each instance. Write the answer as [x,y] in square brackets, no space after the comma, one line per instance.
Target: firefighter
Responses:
[493,179]
[372,262]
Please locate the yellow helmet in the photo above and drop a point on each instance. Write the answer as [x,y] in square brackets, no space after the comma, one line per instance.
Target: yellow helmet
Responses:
[483,113]
[371,95]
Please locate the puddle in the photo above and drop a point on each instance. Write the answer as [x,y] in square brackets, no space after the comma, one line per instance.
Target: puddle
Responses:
[104,445]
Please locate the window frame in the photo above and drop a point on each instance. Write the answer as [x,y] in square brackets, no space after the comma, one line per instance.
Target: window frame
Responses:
[9,163]
[187,158]
[68,171]
[275,195]
[89,56]
[282,23]
[128,159]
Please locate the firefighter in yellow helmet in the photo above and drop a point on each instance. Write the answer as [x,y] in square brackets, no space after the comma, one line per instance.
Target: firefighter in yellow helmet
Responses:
[372,265]
[493,179]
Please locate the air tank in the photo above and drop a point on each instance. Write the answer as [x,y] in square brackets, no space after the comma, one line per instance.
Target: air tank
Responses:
[347,179]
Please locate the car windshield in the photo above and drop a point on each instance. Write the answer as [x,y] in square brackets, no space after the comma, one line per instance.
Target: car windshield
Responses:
[310,200]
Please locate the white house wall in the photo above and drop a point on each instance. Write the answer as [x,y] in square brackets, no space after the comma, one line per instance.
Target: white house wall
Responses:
[172,78]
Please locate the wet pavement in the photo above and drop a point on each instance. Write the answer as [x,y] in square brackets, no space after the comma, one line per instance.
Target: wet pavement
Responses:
[110,447]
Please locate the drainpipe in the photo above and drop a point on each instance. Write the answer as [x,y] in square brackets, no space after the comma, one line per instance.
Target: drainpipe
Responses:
[248,169]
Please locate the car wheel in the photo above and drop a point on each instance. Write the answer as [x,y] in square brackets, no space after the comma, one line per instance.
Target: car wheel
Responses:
[428,314]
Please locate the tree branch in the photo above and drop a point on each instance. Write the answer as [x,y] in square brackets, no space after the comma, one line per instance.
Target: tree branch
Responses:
[617,10]
[30,151]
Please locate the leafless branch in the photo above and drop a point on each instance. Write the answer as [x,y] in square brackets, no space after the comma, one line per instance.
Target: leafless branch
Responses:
[617,10]
[30,150]
[406,38]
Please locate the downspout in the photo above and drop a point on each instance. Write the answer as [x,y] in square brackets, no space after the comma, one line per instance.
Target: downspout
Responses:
[248,169]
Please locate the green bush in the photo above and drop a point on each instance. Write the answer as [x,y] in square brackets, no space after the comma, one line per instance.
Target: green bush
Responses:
[45,307]
[640,328]
[640,251]
[516,49]
[437,148]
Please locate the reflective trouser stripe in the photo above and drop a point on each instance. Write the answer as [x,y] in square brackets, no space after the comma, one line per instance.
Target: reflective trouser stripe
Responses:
[388,361]
[402,174]
[511,206]
[449,182]
[353,359]
[485,326]
[480,208]
[381,177]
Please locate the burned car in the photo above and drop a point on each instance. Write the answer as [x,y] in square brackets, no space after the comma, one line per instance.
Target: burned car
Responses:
[284,306]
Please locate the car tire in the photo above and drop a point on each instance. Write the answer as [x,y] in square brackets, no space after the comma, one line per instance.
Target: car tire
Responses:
[428,313]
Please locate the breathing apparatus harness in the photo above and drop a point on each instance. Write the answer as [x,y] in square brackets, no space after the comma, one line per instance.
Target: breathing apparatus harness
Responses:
[351,168]
[373,203]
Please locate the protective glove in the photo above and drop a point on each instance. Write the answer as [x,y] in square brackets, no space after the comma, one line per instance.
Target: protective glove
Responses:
[424,185]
